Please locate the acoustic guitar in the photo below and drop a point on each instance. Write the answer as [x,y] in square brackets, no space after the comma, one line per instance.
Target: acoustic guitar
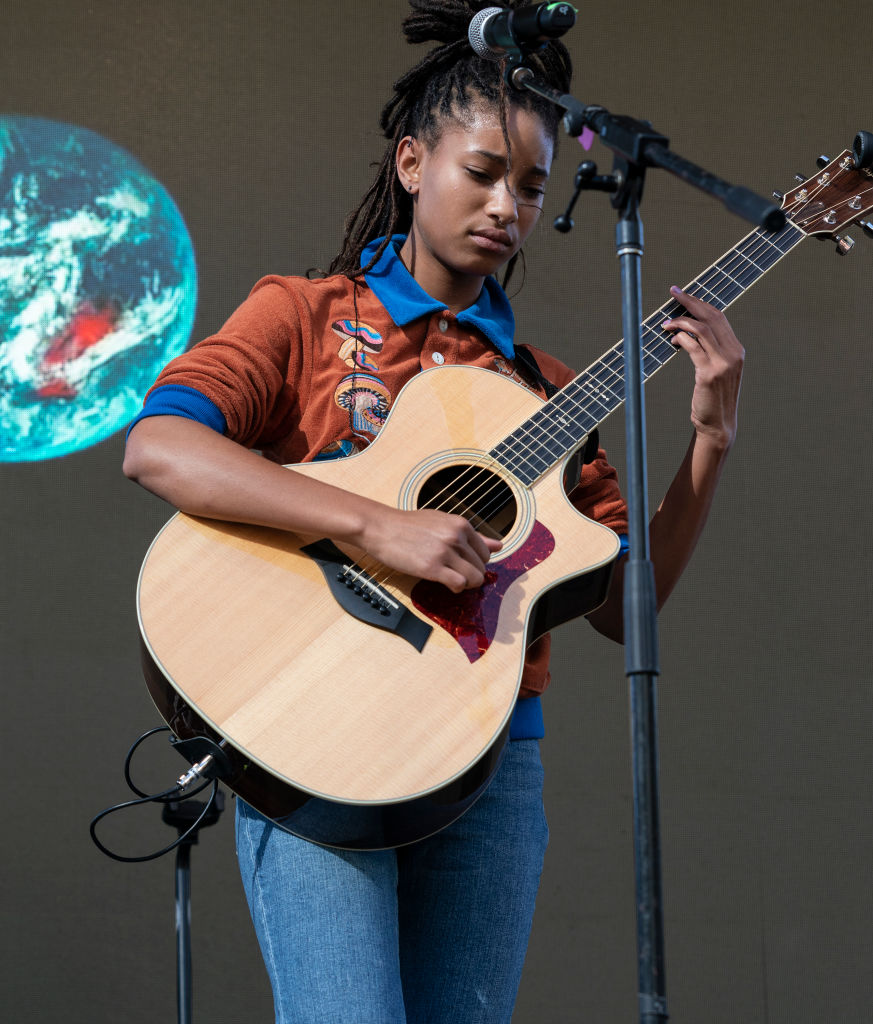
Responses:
[361,708]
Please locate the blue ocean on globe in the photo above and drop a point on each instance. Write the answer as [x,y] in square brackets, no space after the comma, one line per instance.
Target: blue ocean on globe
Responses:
[98,287]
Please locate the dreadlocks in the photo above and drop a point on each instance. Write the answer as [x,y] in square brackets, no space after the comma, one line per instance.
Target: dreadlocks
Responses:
[444,85]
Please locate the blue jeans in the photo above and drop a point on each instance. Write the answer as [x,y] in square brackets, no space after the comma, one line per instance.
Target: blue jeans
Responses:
[433,933]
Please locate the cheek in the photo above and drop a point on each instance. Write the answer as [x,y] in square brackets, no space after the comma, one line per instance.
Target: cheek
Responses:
[445,205]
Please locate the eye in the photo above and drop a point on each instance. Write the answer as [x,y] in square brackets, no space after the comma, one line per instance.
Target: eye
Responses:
[478,174]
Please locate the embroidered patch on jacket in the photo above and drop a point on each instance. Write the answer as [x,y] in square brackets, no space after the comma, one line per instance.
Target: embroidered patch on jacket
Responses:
[360,342]
[366,399]
[337,450]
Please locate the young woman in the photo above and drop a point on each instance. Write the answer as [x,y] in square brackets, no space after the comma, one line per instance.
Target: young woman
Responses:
[308,369]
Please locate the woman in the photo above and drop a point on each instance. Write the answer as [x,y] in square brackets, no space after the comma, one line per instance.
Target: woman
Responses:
[308,369]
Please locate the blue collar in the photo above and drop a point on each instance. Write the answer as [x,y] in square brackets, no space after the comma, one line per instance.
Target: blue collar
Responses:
[405,299]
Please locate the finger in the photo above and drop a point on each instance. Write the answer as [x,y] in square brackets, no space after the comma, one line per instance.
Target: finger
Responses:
[465,574]
[454,581]
[692,303]
[716,338]
[687,332]
[484,547]
[693,328]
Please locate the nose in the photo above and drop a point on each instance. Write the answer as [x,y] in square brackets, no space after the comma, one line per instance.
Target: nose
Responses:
[502,203]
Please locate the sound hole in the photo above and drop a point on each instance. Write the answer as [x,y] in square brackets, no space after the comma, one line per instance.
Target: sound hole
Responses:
[479,495]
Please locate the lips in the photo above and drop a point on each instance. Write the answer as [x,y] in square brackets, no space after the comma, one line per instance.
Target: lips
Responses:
[494,239]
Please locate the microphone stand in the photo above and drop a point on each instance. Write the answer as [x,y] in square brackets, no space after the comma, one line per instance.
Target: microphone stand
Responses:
[181,815]
[636,147]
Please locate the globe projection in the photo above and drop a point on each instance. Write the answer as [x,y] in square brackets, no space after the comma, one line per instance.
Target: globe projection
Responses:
[98,287]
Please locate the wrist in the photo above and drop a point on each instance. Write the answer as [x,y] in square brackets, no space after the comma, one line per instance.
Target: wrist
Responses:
[716,442]
[363,518]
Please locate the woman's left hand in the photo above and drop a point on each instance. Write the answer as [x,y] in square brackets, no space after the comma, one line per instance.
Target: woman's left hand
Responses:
[717,355]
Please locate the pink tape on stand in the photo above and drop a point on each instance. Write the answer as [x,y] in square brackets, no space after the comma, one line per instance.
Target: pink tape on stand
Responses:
[586,138]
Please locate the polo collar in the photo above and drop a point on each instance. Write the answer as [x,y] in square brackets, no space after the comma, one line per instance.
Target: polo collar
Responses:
[405,300]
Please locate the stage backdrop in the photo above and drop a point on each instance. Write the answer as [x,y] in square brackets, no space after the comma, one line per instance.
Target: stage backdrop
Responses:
[155,160]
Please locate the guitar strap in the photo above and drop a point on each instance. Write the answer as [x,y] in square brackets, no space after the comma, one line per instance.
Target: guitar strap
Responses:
[525,357]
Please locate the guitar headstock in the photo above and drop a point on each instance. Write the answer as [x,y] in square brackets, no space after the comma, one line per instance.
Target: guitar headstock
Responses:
[840,194]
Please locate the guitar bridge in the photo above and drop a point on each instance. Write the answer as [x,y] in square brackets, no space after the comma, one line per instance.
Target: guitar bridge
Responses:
[360,595]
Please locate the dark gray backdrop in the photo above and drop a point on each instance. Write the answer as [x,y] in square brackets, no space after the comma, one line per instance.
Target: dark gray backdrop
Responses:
[259,119]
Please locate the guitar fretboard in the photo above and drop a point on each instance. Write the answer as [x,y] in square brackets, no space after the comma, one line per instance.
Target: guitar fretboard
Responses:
[562,423]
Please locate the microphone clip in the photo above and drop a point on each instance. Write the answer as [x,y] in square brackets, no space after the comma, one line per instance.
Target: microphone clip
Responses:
[587,179]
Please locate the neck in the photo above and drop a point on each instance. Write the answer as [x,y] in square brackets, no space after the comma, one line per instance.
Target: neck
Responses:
[438,281]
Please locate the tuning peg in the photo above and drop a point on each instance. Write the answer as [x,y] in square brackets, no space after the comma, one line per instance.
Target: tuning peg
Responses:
[779,195]
[866,227]
[800,177]
[822,161]
[845,244]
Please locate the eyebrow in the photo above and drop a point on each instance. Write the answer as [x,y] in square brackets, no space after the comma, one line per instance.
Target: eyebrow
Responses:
[539,172]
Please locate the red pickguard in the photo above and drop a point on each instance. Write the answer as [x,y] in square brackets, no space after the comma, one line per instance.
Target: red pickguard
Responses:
[471,616]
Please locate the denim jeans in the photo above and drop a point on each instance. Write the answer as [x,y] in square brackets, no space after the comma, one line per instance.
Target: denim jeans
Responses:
[433,933]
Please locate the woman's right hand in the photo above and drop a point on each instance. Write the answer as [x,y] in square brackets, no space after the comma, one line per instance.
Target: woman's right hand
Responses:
[429,544]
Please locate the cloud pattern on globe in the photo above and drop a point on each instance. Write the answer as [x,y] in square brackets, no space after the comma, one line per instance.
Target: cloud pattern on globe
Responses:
[98,287]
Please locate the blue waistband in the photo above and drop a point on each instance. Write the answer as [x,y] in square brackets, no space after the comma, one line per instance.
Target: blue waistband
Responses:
[527,720]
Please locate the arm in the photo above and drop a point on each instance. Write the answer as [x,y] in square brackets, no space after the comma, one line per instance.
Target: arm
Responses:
[206,474]
[675,528]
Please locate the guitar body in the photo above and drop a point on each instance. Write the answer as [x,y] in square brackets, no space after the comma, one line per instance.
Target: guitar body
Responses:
[369,723]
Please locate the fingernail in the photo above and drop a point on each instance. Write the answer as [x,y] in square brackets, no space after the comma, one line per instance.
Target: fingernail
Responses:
[675,289]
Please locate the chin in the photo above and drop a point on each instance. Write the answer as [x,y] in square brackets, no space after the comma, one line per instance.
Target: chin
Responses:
[485,263]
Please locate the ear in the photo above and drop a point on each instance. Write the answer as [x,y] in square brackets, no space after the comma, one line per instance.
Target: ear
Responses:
[408,162]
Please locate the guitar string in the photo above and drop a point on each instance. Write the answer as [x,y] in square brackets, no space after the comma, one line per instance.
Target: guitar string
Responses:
[530,444]
[572,404]
[701,288]
[736,258]
[672,308]
[664,309]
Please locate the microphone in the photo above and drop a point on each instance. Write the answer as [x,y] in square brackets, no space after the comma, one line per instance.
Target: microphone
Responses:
[495,32]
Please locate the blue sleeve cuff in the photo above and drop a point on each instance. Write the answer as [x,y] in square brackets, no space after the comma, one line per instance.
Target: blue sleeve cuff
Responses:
[177,400]
[623,540]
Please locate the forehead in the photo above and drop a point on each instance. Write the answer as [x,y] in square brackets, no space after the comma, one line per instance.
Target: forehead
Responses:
[478,130]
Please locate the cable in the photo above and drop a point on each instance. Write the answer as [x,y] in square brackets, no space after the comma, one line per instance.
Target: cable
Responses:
[167,796]
[150,799]
[159,797]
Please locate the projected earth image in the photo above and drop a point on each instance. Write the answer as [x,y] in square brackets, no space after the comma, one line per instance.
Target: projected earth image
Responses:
[98,287]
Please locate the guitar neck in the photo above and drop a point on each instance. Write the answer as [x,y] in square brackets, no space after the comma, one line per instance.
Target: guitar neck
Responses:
[564,422]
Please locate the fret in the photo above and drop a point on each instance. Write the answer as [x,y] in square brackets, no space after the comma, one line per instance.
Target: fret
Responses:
[591,397]
[543,434]
[719,287]
[562,424]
